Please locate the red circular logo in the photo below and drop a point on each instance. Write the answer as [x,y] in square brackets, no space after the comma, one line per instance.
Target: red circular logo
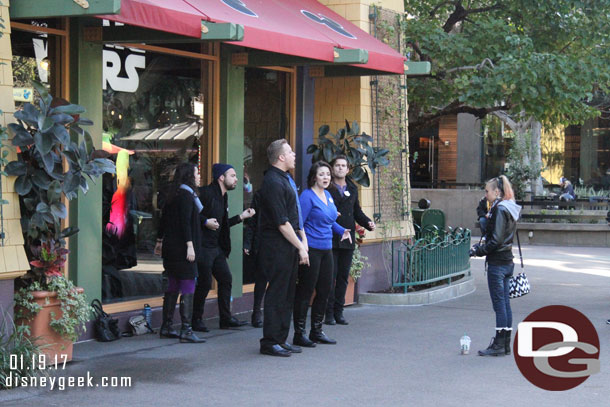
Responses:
[556,348]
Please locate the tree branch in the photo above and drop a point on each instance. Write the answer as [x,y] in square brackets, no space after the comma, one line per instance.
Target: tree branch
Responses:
[435,9]
[478,67]
[460,14]
[454,109]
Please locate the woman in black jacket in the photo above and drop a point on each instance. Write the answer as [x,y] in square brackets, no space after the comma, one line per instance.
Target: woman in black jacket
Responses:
[345,194]
[179,239]
[497,248]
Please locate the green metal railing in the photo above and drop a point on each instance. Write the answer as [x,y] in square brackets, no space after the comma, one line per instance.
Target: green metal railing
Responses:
[431,258]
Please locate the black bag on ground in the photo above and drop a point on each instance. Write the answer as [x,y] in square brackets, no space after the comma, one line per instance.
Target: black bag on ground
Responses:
[106,327]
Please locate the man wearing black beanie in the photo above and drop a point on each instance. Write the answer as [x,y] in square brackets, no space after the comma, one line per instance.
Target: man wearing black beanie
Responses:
[216,246]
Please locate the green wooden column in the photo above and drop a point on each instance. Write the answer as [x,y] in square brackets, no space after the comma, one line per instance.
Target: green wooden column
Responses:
[86,210]
[232,90]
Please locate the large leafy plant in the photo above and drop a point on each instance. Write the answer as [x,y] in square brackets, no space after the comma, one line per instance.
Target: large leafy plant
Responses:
[56,158]
[355,146]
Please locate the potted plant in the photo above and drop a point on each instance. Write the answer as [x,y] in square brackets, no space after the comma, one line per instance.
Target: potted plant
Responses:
[356,146]
[359,262]
[55,159]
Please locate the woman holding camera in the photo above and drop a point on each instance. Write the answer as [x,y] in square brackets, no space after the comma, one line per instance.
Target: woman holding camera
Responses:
[497,247]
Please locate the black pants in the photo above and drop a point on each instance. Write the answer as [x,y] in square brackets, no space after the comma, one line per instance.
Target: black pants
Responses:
[317,276]
[279,260]
[260,284]
[213,263]
[336,299]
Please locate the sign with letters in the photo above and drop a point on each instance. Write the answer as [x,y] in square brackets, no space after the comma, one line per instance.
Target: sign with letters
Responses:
[557,348]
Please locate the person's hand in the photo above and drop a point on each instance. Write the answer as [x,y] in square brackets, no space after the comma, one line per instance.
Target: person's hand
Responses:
[372,225]
[190,252]
[248,213]
[212,224]
[158,248]
[247,252]
[303,257]
[338,214]
[473,250]
[347,235]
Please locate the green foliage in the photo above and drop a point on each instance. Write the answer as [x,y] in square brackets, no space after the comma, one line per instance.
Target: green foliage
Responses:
[588,191]
[542,58]
[355,146]
[359,262]
[43,135]
[15,341]
[75,309]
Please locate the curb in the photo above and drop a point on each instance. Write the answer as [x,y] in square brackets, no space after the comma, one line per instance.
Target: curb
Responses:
[464,287]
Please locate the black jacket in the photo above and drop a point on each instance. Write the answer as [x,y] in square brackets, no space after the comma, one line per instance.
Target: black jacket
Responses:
[482,208]
[180,224]
[251,234]
[349,207]
[499,234]
[216,205]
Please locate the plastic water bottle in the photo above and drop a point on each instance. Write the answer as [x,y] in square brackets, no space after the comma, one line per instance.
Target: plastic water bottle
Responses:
[465,345]
[147,312]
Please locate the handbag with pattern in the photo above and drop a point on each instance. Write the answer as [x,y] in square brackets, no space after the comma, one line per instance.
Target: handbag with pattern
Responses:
[519,285]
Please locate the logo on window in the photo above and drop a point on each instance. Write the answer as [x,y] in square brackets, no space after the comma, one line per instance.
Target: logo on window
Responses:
[332,24]
[240,6]
[557,348]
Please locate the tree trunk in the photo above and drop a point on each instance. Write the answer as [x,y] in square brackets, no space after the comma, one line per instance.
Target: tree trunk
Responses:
[536,156]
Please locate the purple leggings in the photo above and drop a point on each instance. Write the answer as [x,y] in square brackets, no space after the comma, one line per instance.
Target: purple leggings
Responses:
[180,286]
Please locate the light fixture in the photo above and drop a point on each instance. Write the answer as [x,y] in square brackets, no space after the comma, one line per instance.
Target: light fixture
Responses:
[45,64]
[447,143]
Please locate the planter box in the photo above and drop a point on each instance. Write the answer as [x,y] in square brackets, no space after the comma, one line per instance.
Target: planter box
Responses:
[53,346]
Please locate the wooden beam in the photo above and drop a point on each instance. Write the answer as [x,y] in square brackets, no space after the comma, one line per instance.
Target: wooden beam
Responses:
[417,68]
[221,31]
[62,8]
[209,32]
[351,56]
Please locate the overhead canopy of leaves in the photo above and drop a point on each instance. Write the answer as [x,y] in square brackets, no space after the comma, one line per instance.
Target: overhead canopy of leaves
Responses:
[546,59]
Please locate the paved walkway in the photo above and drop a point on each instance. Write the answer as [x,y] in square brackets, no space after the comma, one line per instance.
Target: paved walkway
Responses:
[386,356]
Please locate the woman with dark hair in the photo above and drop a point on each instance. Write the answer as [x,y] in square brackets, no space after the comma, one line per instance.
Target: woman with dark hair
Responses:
[498,249]
[178,241]
[319,220]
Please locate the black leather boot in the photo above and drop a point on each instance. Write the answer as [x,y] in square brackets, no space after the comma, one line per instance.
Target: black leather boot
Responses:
[316,334]
[257,318]
[186,313]
[340,319]
[507,334]
[329,319]
[496,347]
[300,318]
[169,306]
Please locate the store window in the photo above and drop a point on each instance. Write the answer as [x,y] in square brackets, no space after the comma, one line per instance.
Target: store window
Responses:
[587,154]
[267,118]
[37,56]
[154,107]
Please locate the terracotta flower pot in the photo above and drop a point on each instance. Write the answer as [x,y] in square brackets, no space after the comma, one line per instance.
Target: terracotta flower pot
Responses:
[55,347]
[349,293]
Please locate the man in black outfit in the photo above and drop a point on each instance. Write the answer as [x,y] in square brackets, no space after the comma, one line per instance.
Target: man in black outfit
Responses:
[345,195]
[280,249]
[216,246]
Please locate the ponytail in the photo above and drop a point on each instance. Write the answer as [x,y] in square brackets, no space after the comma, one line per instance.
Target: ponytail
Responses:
[503,184]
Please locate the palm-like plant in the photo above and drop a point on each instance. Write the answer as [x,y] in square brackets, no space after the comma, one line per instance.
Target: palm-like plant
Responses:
[355,146]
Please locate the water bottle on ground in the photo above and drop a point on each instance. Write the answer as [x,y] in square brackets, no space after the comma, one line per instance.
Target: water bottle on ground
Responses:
[465,345]
[147,312]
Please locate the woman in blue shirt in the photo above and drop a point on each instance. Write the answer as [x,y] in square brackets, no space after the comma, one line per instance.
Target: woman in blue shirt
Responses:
[319,221]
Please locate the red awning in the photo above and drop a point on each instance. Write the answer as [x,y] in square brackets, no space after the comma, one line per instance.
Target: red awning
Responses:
[176,16]
[303,28]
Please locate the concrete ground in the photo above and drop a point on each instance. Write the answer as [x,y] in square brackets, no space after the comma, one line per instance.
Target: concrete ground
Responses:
[386,356]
